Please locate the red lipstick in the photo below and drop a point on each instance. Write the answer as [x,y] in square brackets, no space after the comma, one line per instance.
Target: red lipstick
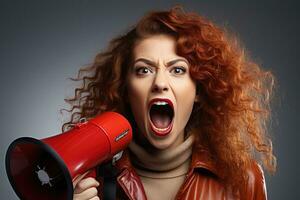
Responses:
[165,130]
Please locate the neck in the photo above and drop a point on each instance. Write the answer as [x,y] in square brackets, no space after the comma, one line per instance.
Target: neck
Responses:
[159,161]
[162,172]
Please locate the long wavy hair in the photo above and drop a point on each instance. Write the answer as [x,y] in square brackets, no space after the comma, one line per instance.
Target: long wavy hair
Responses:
[232,116]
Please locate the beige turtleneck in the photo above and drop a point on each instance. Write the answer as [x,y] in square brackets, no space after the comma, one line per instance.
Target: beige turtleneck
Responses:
[162,172]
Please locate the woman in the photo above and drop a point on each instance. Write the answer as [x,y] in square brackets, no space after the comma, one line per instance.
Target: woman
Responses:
[199,110]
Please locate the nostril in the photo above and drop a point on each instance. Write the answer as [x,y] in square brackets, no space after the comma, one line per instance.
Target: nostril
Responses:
[158,88]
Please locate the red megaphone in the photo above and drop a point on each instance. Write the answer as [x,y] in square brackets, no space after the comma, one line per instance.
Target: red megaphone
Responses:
[44,169]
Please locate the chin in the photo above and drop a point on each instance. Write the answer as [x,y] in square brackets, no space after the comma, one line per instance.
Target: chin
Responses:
[161,143]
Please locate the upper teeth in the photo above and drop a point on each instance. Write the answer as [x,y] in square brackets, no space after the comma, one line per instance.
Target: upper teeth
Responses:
[160,103]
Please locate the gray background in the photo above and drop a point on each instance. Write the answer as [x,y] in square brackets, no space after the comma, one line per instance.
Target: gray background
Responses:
[42,43]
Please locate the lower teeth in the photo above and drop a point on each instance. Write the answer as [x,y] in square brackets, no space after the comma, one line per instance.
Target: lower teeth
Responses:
[161,129]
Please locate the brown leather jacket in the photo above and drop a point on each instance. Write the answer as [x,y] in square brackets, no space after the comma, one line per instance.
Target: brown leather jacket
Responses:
[201,181]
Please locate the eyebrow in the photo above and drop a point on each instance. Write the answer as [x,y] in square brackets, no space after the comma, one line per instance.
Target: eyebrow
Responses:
[149,62]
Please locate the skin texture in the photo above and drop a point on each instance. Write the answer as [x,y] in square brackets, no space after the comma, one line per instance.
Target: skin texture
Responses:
[158,72]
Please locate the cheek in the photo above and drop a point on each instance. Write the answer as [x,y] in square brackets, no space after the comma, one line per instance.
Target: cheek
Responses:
[136,93]
[134,96]
[185,99]
[184,89]
[138,90]
[137,96]
[187,102]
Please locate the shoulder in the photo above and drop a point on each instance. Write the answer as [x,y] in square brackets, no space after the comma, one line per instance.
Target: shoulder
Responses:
[256,185]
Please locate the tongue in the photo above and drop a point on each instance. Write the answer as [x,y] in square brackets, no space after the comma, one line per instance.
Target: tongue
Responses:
[160,120]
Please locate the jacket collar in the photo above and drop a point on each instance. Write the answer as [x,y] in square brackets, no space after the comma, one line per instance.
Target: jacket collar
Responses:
[128,179]
[203,159]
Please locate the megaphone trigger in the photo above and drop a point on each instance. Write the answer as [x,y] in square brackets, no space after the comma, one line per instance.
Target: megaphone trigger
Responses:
[117,157]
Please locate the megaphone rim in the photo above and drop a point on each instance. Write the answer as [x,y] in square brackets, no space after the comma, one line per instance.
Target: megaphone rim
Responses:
[48,149]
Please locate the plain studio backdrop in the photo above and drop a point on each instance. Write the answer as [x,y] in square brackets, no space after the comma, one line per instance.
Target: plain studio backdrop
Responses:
[42,43]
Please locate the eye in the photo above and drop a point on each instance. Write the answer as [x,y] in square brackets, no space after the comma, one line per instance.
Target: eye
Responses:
[142,70]
[178,70]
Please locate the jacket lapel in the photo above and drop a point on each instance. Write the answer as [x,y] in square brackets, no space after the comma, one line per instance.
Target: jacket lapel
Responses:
[129,180]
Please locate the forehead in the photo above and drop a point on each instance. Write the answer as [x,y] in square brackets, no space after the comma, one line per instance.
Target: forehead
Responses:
[157,46]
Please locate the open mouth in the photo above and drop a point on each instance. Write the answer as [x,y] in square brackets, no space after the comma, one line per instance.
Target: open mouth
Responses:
[161,116]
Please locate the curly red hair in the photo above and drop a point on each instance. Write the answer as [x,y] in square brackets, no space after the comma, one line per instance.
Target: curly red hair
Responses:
[233,111]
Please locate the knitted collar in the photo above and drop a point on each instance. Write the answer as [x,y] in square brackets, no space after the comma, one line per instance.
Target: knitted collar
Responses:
[161,160]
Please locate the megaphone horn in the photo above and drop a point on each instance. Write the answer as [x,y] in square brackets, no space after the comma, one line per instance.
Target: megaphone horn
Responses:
[44,169]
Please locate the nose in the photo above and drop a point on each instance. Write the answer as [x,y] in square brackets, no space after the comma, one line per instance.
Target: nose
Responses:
[160,83]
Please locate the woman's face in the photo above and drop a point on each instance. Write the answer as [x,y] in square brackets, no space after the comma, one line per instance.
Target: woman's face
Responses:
[161,91]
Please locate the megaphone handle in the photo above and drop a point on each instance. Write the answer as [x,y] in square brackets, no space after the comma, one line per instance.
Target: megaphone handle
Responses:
[92,173]
[108,173]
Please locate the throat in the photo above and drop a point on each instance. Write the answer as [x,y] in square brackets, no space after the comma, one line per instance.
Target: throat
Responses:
[161,116]
[162,172]
[161,160]
[161,120]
